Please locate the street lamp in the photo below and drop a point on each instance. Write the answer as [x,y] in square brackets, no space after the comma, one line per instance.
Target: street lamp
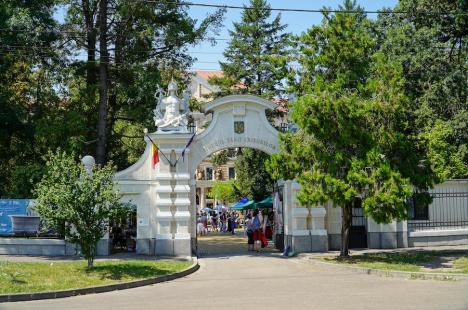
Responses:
[88,163]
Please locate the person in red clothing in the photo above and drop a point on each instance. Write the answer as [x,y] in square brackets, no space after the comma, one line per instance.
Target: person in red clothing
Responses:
[256,228]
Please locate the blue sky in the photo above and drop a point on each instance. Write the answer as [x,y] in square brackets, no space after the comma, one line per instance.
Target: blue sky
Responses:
[208,56]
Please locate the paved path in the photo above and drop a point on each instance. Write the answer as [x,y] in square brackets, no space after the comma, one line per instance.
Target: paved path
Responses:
[216,243]
[267,281]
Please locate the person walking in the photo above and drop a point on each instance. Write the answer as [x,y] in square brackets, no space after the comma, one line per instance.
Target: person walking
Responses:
[257,229]
[222,221]
[229,223]
[200,227]
[249,230]
[233,222]
[214,222]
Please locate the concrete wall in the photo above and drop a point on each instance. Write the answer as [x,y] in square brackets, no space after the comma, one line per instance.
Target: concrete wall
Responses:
[333,226]
[437,238]
[304,227]
[45,247]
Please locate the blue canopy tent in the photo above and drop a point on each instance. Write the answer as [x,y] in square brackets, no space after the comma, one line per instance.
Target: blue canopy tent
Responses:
[241,204]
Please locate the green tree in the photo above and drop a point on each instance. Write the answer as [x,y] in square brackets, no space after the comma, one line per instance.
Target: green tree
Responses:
[78,204]
[252,179]
[29,60]
[224,191]
[257,54]
[219,158]
[355,130]
[49,98]
[432,50]
[256,63]
[131,47]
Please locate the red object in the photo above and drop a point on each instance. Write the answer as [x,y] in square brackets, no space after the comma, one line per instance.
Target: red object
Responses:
[155,150]
[256,235]
[263,239]
[260,236]
[268,232]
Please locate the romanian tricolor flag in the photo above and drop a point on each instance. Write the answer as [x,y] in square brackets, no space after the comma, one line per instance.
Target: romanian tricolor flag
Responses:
[154,155]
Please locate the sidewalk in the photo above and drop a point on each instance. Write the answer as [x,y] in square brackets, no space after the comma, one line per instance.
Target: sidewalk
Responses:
[216,243]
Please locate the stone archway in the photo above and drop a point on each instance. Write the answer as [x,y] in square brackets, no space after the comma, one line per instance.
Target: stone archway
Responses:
[237,121]
[165,194]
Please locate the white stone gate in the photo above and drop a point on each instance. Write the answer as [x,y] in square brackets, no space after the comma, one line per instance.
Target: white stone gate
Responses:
[165,195]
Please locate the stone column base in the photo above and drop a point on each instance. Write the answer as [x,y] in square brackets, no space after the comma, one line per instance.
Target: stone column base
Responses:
[173,247]
[311,243]
[382,240]
[145,246]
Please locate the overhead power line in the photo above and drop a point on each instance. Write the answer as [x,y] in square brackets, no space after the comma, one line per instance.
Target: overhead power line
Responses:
[323,10]
[50,50]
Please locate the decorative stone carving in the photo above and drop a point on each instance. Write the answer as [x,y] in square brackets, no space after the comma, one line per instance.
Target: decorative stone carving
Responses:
[200,174]
[219,174]
[171,113]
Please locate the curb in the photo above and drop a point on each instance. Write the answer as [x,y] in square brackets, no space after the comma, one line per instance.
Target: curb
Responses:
[99,289]
[412,275]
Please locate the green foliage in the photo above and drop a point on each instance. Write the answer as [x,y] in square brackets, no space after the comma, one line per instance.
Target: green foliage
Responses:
[334,54]
[355,137]
[256,63]
[415,261]
[48,100]
[224,191]
[76,204]
[448,158]
[219,158]
[256,56]
[432,51]
[23,179]
[26,89]
[252,179]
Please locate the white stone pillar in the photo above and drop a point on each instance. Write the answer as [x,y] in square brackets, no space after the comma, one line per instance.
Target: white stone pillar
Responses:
[202,197]
[173,205]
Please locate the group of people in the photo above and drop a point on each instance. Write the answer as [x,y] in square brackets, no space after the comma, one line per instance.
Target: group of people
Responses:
[259,229]
[258,225]
[225,221]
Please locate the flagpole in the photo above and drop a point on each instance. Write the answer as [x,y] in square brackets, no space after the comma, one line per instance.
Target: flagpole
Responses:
[159,150]
[186,146]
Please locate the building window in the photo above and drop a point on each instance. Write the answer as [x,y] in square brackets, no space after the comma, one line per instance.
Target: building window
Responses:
[209,173]
[419,208]
[232,173]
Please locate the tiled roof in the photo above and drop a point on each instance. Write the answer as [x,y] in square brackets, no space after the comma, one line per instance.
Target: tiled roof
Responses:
[208,74]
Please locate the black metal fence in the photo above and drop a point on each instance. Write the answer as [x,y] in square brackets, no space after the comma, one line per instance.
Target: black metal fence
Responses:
[448,210]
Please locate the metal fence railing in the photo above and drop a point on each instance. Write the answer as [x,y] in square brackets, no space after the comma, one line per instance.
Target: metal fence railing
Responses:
[448,210]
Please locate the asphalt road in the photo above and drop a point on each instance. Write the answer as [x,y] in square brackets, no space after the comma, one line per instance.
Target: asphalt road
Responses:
[267,281]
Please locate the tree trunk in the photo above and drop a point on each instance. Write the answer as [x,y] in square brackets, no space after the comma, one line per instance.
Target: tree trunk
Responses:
[91,45]
[103,77]
[90,262]
[345,227]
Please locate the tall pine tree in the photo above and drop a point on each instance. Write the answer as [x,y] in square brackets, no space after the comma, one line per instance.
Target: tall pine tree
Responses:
[256,56]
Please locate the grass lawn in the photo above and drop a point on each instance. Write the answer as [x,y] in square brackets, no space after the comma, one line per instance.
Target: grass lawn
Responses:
[430,261]
[25,277]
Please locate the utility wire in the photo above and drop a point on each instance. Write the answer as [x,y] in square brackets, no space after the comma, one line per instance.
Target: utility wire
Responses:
[51,50]
[324,10]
